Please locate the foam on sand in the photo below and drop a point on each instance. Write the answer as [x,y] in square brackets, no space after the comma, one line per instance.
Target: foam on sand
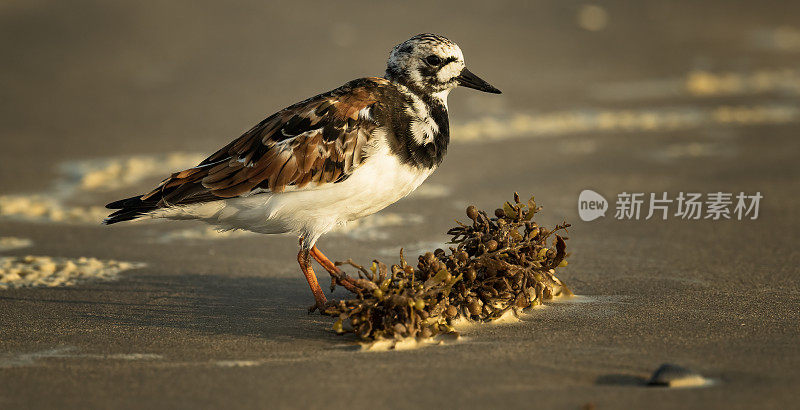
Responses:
[42,208]
[522,125]
[80,177]
[460,324]
[32,271]
[8,243]
[408,343]
[109,174]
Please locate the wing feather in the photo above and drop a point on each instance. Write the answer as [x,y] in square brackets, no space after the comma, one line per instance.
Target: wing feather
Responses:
[315,142]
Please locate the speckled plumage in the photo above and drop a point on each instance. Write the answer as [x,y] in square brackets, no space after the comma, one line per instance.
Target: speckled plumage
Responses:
[332,158]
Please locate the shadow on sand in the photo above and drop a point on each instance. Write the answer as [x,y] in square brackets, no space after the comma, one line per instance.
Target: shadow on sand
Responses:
[620,380]
[266,308]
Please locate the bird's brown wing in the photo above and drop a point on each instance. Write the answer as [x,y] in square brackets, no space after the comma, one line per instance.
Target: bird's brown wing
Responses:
[318,141]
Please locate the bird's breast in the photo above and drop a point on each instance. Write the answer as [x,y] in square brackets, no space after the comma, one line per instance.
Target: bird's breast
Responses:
[381,181]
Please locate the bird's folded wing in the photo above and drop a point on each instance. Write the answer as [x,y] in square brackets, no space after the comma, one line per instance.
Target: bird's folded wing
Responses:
[315,142]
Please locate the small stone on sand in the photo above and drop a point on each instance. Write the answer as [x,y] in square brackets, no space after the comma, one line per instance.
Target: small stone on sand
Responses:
[671,375]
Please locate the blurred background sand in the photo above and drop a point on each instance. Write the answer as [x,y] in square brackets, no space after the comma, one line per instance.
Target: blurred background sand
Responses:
[101,99]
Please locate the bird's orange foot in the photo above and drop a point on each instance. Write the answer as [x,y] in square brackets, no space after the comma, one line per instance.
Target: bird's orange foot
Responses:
[305,266]
[337,274]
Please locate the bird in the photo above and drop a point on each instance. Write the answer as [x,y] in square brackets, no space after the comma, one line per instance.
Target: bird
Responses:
[322,162]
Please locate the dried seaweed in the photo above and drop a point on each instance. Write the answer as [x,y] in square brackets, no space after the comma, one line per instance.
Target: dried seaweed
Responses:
[497,265]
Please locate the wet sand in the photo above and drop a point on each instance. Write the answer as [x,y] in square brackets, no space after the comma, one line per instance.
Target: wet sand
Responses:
[653,98]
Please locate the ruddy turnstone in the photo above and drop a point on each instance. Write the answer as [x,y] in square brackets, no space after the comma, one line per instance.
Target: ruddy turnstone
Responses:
[322,162]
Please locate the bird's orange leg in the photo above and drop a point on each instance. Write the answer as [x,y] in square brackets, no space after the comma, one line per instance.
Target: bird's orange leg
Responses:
[335,272]
[305,265]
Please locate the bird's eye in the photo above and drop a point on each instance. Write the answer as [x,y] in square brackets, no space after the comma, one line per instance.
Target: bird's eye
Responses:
[433,60]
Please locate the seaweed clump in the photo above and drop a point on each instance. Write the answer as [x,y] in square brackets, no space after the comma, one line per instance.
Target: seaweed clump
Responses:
[498,264]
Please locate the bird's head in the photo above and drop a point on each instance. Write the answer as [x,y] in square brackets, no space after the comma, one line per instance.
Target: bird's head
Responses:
[431,64]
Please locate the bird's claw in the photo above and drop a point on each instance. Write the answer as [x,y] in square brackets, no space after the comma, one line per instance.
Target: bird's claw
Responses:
[323,309]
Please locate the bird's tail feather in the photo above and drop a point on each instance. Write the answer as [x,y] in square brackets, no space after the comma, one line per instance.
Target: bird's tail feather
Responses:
[129,209]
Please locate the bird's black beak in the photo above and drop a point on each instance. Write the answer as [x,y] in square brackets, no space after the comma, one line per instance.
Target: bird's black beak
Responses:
[469,80]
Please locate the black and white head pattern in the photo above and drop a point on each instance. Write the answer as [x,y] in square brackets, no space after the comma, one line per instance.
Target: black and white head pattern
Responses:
[426,64]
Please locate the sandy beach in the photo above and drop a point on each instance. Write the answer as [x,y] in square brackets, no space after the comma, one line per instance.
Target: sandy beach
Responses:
[102,100]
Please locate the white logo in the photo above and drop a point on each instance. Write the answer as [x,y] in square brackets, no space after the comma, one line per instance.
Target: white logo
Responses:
[716,206]
[591,205]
